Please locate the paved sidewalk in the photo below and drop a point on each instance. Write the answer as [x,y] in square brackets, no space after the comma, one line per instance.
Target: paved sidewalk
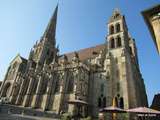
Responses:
[22,117]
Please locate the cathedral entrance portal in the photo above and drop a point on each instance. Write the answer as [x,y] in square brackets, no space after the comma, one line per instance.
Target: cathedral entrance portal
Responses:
[6,90]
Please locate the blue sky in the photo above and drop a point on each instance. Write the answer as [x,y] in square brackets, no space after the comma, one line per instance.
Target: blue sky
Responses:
[81,24]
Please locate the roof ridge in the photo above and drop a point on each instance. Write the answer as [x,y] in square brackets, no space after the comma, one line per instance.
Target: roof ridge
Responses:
[84,49]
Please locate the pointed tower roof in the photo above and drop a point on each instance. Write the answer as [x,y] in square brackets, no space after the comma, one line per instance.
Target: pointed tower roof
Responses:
[50,31]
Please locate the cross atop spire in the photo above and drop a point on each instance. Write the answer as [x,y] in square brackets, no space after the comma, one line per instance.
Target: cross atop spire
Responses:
[50,31]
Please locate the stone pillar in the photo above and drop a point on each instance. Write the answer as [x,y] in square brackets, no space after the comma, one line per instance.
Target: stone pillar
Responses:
[3,83]
[115,42]
[29,91]
[15,89]
[58,97]
[62,91]
[49,92]
[36,98]
[20,94]
[126,80]
[2,88]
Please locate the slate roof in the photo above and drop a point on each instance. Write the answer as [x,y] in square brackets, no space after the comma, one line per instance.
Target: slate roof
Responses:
[24,59]
[86,53]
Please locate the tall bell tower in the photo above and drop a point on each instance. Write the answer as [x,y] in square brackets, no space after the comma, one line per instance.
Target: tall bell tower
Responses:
[127,86]
[118,32]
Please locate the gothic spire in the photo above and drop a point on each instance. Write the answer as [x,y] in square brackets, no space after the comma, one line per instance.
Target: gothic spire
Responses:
[50,31]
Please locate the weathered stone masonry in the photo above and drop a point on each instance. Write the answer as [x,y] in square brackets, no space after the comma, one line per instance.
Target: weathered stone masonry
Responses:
[97,75]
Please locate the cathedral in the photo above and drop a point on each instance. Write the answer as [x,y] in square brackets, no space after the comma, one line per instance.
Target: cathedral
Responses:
[98,75]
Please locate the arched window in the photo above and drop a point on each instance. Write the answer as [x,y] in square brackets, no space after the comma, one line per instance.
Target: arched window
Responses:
[71,85]
[24,92]
[44,87]
[116,101]
[112,43]
[33,64]
[130,50]
[119,44]
[48,52]
[99,102]
[118,28]
[102,88]
[6,90]
[119,101]
[104,102]
[111,29]
[57,87]
[14,65]
[35,87]
[121,105]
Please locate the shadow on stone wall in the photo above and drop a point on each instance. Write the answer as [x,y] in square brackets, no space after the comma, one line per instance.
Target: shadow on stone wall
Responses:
[14,117]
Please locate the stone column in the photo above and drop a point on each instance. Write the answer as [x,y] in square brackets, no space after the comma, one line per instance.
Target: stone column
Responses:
[3,83]
[2,88]
[115,42]
[22,87]
[36,99]
[29,91]
[16,75]
[126,80]
[49,92]
[15,90]
[62,91]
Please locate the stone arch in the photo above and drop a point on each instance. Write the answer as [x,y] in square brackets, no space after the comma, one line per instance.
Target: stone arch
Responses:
[121,104]
[118,27]
[35,85]
[57,86]
[119,101]
[130,50]
[119,43]
[111,29]
[14,65]
[57,80]
[99,102]
[44,87]
[70,84]
[116,101]
[104,101]
[6,90]
[112,43]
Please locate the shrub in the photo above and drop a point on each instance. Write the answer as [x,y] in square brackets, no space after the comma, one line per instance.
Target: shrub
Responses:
[88,118]
[66,116]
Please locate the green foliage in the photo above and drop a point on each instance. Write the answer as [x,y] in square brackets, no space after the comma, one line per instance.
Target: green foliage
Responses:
[124,116]
[88,118]
[66,116]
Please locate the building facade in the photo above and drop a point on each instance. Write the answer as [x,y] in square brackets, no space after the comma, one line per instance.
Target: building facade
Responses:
[152,19]
[156,102]
[97,75]
[0,83]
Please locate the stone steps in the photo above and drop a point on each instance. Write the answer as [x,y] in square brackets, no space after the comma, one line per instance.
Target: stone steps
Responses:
[11,109]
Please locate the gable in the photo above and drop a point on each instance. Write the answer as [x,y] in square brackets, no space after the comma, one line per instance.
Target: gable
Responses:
[17,59]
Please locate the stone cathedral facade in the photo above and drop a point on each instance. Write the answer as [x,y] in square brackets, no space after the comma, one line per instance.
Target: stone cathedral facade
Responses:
[97,75]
